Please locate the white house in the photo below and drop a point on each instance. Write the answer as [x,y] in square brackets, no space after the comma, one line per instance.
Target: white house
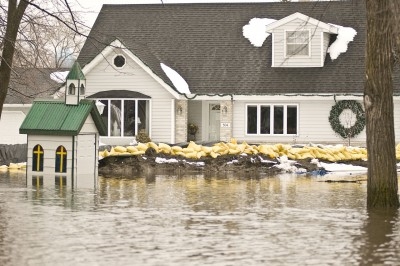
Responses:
[257,72]
[63,137]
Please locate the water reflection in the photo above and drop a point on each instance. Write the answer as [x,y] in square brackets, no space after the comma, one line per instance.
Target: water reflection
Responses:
[194,220]
[380,246]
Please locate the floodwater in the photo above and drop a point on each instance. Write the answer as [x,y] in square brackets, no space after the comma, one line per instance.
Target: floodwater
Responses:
[195,220]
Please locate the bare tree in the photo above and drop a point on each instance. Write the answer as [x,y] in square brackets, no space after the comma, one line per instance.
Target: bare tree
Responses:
[378,101]
[35,34]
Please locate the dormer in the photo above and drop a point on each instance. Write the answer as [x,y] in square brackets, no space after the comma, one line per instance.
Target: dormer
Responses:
[75,89]
[300,41]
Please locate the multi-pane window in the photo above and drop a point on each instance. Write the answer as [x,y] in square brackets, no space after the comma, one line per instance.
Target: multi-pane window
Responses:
[125,117]
[297,43]
[272,119]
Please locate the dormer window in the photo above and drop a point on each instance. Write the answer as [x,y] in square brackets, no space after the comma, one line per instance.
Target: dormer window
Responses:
[82,90]
[71,89]
[297,43]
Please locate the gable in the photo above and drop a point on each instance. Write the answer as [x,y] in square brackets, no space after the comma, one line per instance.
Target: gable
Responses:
[109,53]
[302,20]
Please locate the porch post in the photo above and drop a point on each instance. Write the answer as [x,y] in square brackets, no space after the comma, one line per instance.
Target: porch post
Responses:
[225,130]
[181,119]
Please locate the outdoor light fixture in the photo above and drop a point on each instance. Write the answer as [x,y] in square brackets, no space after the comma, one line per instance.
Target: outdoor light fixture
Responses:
[224,109]
[179,109]
[100,106]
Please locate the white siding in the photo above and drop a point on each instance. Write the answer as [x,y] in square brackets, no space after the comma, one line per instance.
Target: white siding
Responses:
[89,126]
[9,127]
[49,145]
[86,161]
[105,77]
[314,60]
[314,127]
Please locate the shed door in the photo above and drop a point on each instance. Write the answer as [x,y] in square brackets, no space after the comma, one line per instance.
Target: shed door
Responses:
[86,155]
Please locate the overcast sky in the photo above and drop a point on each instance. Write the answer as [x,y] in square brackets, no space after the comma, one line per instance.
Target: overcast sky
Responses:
[92,7]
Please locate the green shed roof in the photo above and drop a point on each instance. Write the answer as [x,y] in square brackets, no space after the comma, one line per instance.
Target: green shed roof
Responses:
[54,117]
[75,72]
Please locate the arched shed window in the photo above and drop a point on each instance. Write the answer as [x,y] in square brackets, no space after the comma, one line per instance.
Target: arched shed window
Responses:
[61,160]
[37,158]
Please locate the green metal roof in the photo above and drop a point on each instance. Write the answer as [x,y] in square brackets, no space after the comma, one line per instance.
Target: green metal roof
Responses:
[75,72]
[54,117]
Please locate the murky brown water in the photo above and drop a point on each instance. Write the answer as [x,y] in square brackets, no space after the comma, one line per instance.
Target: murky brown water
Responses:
[193,220]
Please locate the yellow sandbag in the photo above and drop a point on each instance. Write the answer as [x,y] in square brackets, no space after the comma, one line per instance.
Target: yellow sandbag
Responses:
[131,149]
[176,149]
[233,151]
[214,155]
[191,155]
[233,141]
[194,146]
[217,149]
[13,166]
[105,153]
[141,147]
[3,167]
[180,153]
[232,146]
[201,154]
[188,150]
[119,149]
[153,145]
[164,148]
[206,149]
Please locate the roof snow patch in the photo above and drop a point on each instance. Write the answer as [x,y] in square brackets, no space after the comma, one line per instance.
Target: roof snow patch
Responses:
[345,35]
[176,79]
[255,32]
[59,77]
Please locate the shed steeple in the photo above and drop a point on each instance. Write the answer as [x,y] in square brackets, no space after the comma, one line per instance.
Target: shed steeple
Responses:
[75,89]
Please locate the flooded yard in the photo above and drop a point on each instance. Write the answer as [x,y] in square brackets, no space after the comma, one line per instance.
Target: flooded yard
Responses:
[194,220]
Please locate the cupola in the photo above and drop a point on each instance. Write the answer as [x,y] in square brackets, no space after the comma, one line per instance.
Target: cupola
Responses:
[75,89]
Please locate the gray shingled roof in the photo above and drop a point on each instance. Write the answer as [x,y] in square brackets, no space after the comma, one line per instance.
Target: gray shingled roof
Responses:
[29,83]
[205,44]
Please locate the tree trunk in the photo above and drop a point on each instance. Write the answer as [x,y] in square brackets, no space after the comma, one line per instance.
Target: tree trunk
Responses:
[378,101]
[14,16]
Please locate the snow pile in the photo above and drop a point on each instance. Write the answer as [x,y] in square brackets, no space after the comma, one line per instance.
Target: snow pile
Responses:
[255,32]
[176,79]
[59,77]
[288,166]
[339,46]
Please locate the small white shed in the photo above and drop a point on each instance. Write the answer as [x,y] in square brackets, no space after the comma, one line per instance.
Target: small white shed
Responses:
[63,137]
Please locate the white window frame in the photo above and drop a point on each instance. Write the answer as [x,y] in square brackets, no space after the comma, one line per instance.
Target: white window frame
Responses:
[259,105]
[123,113]
[117,67]
[308,44]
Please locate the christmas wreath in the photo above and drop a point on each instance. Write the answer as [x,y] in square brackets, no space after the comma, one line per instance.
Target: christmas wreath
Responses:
[334,120]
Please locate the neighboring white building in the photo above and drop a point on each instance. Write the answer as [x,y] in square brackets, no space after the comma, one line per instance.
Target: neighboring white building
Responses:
[63,137]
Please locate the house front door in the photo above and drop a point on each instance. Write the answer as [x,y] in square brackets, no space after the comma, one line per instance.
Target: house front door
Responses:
[214,122]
